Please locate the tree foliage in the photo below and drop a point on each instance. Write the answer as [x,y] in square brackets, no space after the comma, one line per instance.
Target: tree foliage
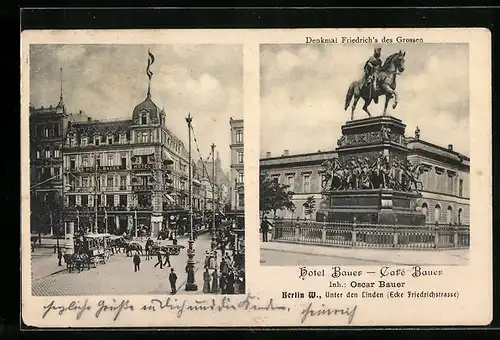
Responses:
[274,196]
[46,210]
[310,206]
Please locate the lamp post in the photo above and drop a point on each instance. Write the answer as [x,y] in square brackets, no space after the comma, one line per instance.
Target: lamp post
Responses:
[214,241]
[190,282]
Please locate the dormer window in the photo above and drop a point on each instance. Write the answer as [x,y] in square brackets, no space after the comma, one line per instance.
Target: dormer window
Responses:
[84,141]
[144,118]
[110,140]
[97,140]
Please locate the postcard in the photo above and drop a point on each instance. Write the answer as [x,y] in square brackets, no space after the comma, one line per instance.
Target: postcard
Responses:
[256,178]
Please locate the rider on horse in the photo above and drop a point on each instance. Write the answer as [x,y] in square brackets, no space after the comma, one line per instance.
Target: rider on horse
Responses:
[371,67]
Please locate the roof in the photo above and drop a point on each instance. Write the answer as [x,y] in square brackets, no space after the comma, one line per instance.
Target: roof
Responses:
[149,106]
[97,127]
[299,158]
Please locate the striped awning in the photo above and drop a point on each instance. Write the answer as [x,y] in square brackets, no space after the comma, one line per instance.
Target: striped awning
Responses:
[169,198]
[165,156]
[146,151]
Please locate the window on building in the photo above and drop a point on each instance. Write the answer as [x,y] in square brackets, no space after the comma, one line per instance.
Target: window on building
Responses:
[57,153]
[123,182]
[83,141]
[116,138]
[38,154]
[460,188]
[144,159]
[124,161]
[123,200]
[110,182]
[56,130]
[145,137]
[110,140]
[47,132]
[306,178]
[110,160]
[437,213]
[240,157]
[97,140]
[57,172]
[84,200]
[241,200]
[47,153]
[459,216]
[85,161]
[99,201]
[240,177]
[290,181]
[72,200]
[110,200]
[71,141]
[144,118]
[98,161]
[276,178]
[449,214]
[425,211]
[85,182]
[72,164]
[239,136]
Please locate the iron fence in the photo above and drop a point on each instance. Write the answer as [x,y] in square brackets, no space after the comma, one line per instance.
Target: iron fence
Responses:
[366,235]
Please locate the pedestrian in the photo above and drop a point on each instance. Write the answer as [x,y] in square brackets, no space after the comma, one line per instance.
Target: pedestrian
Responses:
[160,259]
[173,279]
[215,282]
[230,283]
[137,261]
[264,227]
[206,281]
[59,257]
[167,259]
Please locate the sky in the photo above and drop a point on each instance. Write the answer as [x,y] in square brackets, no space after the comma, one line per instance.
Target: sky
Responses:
[107,81]
[303,89]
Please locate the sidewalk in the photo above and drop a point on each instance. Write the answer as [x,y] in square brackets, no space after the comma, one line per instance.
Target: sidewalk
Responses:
[383,256]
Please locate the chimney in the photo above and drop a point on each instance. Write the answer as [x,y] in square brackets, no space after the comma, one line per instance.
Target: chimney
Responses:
[286,153]
[450,147]
[89,119]
[268,154]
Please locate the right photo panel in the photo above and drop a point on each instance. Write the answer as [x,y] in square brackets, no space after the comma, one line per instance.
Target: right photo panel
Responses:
[364,149]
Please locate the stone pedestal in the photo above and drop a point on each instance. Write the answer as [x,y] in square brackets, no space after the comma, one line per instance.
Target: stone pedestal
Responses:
[369,139]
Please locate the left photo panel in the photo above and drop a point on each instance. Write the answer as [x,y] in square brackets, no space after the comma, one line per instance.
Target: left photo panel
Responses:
[135,170]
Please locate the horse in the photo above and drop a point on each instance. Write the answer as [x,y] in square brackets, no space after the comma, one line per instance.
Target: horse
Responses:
[386,80]
[130,247]
[77,261]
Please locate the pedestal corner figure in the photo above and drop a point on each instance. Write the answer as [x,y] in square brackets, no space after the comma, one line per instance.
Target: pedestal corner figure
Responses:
[137,261]
[173,279]
[206,281]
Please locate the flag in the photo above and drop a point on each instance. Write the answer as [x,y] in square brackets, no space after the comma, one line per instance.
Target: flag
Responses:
[151,60]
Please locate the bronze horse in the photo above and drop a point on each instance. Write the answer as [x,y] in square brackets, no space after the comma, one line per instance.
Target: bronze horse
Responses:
[386,80]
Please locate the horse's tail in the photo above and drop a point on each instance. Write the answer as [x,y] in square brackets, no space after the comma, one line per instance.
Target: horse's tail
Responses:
[348,96]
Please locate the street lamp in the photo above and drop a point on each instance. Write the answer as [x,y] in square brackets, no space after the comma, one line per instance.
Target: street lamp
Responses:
[190,282]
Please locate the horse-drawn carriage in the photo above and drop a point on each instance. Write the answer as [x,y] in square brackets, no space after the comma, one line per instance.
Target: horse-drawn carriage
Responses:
[162,245]
[89,249]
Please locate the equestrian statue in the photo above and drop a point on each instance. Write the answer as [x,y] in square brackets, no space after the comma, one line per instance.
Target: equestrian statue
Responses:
[379,79]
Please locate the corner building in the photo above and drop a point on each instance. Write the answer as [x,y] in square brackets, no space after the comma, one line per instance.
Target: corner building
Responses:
[127,173]
[237,189]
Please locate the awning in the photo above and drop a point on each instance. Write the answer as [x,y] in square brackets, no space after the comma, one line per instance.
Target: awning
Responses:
[169,198]
[146,151]
[166,158]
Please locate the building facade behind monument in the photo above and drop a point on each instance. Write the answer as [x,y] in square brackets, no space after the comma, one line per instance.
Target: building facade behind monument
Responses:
[445,194]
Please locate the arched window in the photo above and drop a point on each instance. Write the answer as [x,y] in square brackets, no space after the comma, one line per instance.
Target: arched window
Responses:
[449,213]
[38,154]
[437,213]
[425,210]
[459,216]
[239,136]
[47,153]
[144,118]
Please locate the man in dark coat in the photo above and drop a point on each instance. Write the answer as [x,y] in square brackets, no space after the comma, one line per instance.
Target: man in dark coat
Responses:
[173,279]
[137,262]
[160,260]
[264,227]
[167,259]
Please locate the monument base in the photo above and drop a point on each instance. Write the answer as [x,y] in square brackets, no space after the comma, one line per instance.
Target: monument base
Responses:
[376,206]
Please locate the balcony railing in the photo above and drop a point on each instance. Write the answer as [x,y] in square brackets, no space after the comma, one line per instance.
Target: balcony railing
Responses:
[142,187]
[372,235]
[103,168]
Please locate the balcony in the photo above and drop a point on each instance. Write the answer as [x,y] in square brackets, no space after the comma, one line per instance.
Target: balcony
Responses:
[142,187]
[90,169]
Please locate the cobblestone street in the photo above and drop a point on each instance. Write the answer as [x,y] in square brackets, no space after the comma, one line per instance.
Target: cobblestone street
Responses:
[115,277]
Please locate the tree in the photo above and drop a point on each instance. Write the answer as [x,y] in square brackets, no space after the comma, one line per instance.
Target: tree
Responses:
[274,196]
[46,210]
[310,206]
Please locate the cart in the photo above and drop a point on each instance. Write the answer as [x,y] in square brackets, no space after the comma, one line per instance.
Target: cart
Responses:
[164,246]
[97,247]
